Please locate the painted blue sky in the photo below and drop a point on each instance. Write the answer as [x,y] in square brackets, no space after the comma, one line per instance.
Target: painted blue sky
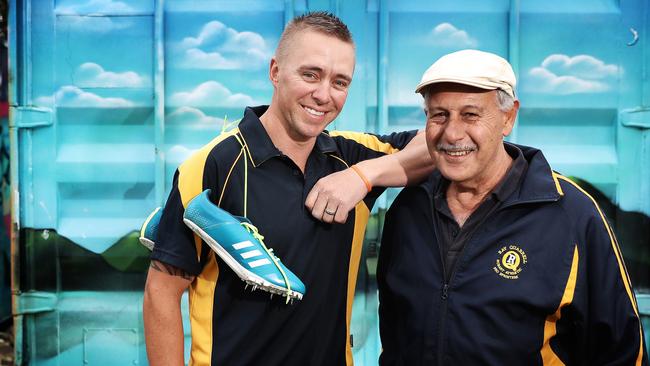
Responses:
[216,57]
[217,54]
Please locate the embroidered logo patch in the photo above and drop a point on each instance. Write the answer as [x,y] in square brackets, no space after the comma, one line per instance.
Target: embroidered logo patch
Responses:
[510,262]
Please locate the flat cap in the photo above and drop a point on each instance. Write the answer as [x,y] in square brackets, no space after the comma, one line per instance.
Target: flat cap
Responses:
[471,67]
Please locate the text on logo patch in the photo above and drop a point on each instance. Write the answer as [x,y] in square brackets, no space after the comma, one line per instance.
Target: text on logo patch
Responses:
[510,262]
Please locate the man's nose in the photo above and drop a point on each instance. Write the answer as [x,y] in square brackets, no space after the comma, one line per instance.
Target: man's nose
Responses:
[321,93]
[454,129]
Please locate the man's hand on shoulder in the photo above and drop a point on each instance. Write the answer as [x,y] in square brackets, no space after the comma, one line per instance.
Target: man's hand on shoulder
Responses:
[335,195]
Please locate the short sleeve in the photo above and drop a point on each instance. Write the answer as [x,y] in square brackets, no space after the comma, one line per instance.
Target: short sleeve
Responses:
[175,244]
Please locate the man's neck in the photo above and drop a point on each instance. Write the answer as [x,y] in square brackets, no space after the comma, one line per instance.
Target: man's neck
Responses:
[296,149]
[463,198]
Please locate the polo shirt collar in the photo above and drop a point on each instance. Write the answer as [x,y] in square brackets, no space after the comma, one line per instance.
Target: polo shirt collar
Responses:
[325,143]
[259,143]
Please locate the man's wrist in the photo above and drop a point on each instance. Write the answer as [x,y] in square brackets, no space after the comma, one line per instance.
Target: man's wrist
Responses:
[363,177]
[382,171]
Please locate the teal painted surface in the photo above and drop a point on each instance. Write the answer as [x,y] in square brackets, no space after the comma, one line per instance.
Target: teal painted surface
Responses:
[109,96]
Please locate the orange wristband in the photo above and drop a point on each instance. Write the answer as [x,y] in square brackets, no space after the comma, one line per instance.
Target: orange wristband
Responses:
[363,177]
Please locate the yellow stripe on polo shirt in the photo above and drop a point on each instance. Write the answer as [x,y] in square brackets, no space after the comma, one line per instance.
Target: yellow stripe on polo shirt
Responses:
[370,141]
[361,215]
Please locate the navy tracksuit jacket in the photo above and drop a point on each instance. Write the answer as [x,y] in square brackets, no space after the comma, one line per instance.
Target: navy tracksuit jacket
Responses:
[541,282]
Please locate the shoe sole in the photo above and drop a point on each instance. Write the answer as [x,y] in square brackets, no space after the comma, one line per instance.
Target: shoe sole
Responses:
[249,277]
[149,244]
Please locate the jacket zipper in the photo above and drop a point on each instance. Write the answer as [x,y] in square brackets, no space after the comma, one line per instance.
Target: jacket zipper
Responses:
[447,280]
[443,316]
[444,294]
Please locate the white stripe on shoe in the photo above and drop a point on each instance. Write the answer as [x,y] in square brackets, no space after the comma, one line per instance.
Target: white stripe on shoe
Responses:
[250,254]
[242,244]
[259,262]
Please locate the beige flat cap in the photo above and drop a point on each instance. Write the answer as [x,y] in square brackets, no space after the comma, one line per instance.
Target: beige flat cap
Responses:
[471,67]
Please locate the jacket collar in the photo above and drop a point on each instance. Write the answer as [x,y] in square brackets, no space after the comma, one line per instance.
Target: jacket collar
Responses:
[539,183]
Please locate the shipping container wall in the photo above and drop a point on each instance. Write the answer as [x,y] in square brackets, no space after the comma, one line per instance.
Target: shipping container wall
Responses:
[108,97]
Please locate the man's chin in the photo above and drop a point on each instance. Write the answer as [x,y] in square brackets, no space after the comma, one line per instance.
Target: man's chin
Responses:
[454,174]
[307,132]
[314,129]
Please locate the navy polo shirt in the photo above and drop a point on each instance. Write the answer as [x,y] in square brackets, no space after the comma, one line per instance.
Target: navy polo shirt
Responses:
[231,326]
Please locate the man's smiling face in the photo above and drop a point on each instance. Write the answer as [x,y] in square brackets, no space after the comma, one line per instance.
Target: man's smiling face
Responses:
[312,82]
[465,130]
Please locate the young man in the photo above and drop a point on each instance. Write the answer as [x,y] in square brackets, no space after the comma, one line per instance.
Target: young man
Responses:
[264,170]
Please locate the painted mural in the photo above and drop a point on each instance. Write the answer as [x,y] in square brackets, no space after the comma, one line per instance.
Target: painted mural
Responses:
[123,91]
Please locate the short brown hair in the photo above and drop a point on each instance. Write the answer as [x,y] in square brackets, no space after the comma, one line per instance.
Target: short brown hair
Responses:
[318,21]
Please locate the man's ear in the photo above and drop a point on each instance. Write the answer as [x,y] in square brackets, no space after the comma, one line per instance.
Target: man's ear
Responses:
[274,69]
[511,116]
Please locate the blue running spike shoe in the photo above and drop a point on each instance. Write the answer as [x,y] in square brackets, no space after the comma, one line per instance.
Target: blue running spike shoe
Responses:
[150,229]
[237,241]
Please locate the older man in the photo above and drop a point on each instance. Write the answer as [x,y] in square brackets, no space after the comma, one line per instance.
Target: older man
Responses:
[496,259]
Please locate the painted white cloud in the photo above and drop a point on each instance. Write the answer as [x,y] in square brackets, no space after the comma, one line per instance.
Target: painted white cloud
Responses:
[210,94]
[562,74]
[200,59]
[581,66]
[94,7]
[92,74]
[218,46]
[70,95]
[192,115]
[446,34]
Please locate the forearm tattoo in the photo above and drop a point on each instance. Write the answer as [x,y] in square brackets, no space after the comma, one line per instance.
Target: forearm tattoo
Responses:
[171,270]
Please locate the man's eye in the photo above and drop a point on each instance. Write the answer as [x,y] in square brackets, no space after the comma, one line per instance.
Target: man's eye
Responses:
[438,117]
[309,75]
[342,84]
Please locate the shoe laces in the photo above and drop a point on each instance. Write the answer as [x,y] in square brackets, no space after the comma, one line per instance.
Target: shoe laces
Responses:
[256,234]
